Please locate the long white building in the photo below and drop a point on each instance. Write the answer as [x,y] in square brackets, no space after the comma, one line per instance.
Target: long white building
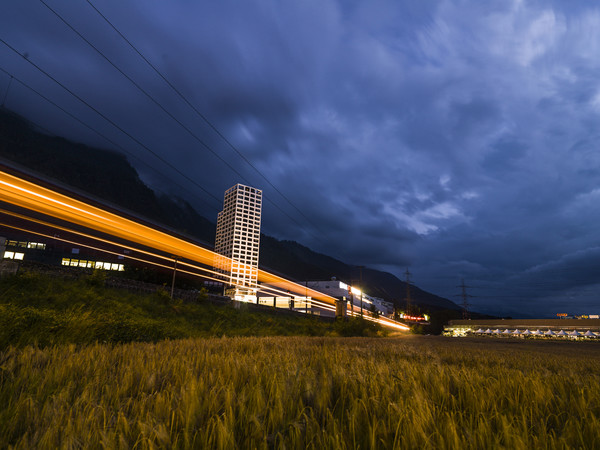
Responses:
[353,295]
[238,240]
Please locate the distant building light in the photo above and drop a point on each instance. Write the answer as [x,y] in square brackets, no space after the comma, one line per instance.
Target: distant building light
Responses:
[25,244]
[86,264]
[16,244]
[414,318]
[14,255]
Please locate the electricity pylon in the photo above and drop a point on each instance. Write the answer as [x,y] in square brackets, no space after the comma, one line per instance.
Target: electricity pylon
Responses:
[465,300]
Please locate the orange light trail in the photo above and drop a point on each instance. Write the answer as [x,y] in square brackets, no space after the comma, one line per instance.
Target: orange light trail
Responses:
[133,258]
[266,289]
[36,198]
[106,241]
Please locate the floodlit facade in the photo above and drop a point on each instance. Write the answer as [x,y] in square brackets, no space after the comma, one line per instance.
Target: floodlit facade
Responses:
[238,240]
[353,295]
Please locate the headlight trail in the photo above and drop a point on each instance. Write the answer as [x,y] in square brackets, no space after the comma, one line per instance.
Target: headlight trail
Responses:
[134,258]
[110,252]
[33,197]
[266,289]
[106,241]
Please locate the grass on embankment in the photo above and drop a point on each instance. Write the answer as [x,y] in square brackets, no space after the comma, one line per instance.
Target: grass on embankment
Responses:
[301,392]
[43,310]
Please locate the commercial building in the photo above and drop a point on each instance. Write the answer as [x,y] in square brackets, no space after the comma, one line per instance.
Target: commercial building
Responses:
[353,295]
[238,240]
[525,328]
[19,247]
[298,303]
[349,299]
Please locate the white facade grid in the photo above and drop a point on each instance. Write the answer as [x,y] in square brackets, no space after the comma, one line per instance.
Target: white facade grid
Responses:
[238,237]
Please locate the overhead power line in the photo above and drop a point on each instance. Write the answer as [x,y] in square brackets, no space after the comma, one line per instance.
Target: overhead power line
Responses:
[202,116]
[137,141]
[89,127]
[157,103]
[141,89]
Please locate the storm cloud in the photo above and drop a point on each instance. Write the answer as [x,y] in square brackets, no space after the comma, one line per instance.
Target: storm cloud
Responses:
[459,139]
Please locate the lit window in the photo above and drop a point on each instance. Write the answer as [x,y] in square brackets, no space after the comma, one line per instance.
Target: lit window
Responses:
[19,256]
[9,255]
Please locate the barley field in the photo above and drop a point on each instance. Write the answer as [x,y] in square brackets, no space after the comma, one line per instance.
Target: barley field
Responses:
[302,392]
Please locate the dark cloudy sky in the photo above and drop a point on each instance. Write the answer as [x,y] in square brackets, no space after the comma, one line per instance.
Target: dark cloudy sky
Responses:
[457,138]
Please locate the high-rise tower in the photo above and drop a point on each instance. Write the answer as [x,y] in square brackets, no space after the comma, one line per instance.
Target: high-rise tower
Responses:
[238,239]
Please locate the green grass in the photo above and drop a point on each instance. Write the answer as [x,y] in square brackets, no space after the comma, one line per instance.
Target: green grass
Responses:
[41,310]
[302,392]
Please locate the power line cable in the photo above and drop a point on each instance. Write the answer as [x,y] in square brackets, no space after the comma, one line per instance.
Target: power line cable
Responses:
[120,147]
[141,89]
[202,116]
[137,141]
[157,103]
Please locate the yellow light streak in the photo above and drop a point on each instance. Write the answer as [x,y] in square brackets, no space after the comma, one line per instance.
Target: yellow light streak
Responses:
[30,196]
[106,241]
[36,198]
[133,258]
